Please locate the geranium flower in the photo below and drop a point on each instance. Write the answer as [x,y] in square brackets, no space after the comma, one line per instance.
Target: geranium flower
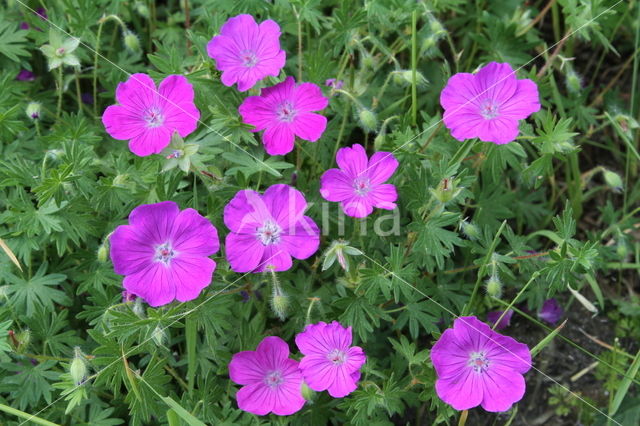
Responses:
[359,182]
[488,105]
[164,253]
[246,52]
[330,362]
[60,52]
[477,366]
[494,316]
[147,117]
[267,230]
[551,311]
[284,111]
[272,382]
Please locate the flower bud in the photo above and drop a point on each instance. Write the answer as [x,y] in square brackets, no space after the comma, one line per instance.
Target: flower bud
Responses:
[78,367]
[142,9]
[436,27]
[622,250]
[470,230]
[131,41]
[368,119]
[138,309]
[493,286]
[279,299]
[613,180]
[405,78]
[103,253]
[23,338]
[159,336]
[573,81]
[34,110]
[446,191]
[307,392]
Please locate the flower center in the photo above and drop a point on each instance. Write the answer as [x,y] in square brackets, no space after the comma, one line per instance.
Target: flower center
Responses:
[286,112]
[489,109]
[362,186]
[269,233]
[248,58]
[479,362]
[337,357]
[164,253]
[60,51]
[273,378]
[153,117]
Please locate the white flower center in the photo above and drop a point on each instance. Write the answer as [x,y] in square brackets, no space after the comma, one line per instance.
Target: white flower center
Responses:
[479,362]
[164,253]
[248,58]
[269,233]
[489,109]
[286,112]
[337,357]
[362,186]
[273,378]
[153,117]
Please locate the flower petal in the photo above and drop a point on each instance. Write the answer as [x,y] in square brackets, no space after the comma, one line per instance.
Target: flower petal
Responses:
[309,126]
[383,196]
[154,222]
[381,166]
[463,391]
[191,274]
[246,212]
[303,240]
[245,368]
[352,160]
[155,284]
[138,92]
[335,185]
[357,207]
[256,398]
[123,123]
[308,97]
[130,252]
[276,258]
[278,139]
[194,234]
[502,388]
[244,252]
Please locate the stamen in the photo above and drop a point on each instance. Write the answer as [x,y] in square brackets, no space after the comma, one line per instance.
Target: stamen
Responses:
[269,233]
[479,362]
[164,253]
[153,117]
[286,112]
[489,109]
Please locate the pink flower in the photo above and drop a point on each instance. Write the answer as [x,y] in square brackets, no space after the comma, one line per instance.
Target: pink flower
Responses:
[164,253]
[551,311]
[359,182]
[267,230]
[494,316]
[283,111]
[488,104]
[330,362]
[477,366]
[246,52]
[147,116]
[272,382]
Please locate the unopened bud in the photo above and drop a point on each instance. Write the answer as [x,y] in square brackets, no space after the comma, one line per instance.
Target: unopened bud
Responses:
[470,230]
[23,338]
[142,9]
[613,180]
[405,78]
[573,81]
[34,110]
[307,392]
[131,41]
[280,305]
[622,250]
[78,368]
[103,253]
[138,309]
[367,119]
[446,191]
[436,27]
[159,336]
[493,286]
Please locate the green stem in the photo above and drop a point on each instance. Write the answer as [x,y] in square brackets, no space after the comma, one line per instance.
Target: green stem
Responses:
[59,105]
[414,64]
[299,25]
[29,417]
[95,68]
[462,152]
[78,94]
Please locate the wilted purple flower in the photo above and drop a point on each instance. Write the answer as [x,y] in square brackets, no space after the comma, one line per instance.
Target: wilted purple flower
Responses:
[128,297]
[87,98]
[477,366]
[551,311]
[494,316]
[334,84]
[25,75]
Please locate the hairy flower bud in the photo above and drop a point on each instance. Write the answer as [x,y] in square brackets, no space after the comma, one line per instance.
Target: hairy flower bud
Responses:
[78,367]
[368,119]
[142,9]
[493,286]
[131,41]
[34,110]
[470,230]
[103,253]
[279,299]
[573,81]
[613,180]
[307,392]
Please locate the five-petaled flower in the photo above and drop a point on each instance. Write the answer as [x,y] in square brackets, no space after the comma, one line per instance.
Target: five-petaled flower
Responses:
[246,52]
[330,362]
[272,381]
[284,111]
[359,182]
[267,230]
[489,104]
[477,366]
[147,116]
[164,253]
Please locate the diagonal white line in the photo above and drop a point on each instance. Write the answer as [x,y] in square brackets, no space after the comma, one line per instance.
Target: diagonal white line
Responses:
[155,92]
[562,40]
[492,340]
[124,355]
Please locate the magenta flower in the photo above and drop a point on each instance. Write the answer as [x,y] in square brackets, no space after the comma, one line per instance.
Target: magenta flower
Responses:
[272,382]
[267,230]
[246,52]
[164,253]
[359,182]
[25,75]
[488,105]
[330,362]
[284,111]
[551,311]
[494,316]
[477,366]
[147,117]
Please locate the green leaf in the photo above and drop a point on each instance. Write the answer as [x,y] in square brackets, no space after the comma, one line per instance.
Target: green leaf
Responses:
[38,291]
[12,42]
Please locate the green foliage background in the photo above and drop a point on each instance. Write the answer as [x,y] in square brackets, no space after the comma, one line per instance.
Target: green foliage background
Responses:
[557,208]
